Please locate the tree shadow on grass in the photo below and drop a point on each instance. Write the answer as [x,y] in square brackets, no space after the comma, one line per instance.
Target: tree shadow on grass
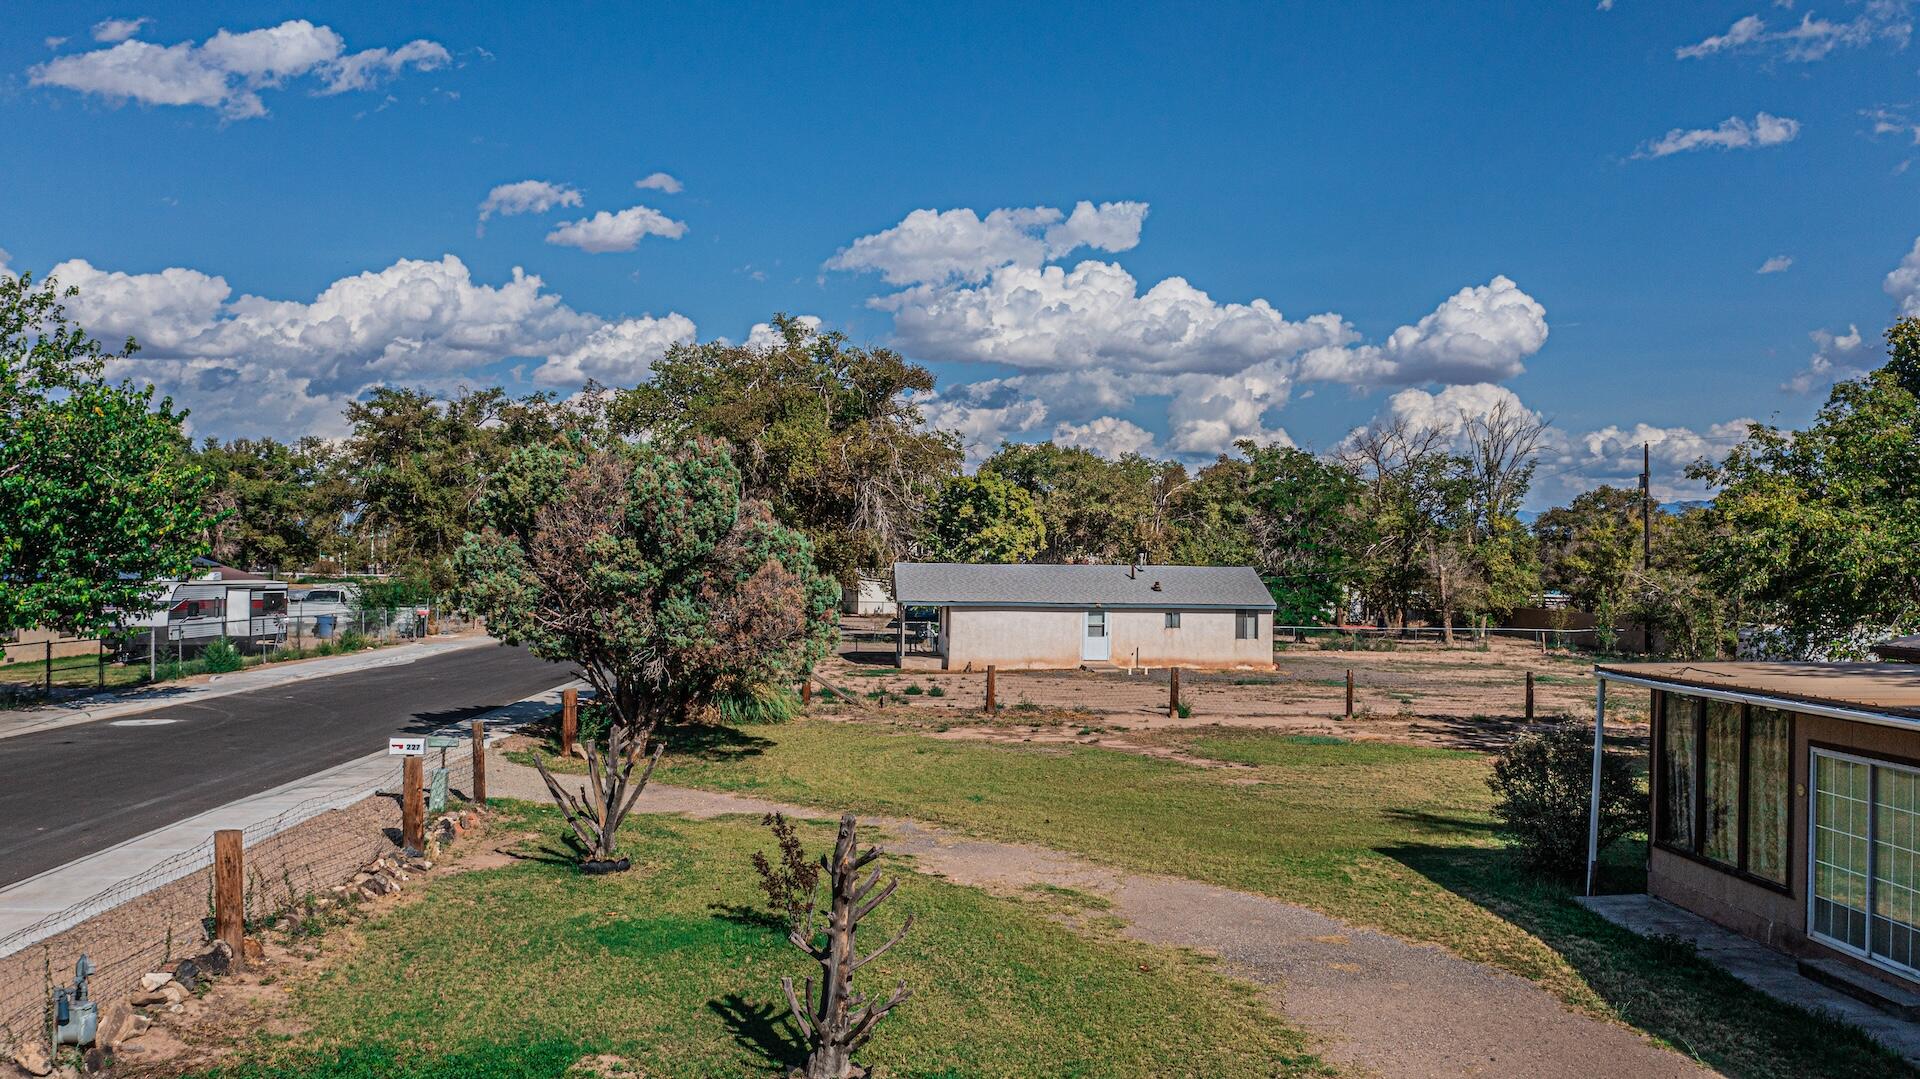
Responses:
[1439,823]
[741,914]
[765,1030]
[712,742]
[1674,995]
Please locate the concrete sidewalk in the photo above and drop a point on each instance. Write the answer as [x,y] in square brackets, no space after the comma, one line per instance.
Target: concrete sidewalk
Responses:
[91,709]
[42,905]
[1773,973]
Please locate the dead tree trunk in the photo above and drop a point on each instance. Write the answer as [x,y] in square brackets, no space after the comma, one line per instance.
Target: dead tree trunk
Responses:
[596,812]
[843,1018]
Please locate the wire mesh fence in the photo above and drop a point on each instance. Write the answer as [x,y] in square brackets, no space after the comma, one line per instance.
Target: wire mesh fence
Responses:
[150,919]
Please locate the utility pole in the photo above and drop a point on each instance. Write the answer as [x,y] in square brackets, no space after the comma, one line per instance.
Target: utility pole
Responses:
[1646,506]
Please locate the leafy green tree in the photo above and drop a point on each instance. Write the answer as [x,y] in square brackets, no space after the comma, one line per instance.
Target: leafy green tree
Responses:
[1589,546]
[279,506]
[420,464]
[1306,534]
[1093,509]
[98,496]
[825,433]
[1819,530]
[983,519]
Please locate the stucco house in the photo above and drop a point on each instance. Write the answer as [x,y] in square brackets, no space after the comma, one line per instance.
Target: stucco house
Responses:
[1786,806]
[1032,617]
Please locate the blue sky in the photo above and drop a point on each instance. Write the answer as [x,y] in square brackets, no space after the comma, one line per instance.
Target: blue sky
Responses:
[1376,209]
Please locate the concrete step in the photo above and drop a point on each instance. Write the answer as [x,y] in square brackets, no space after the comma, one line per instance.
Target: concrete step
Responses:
[1882,994]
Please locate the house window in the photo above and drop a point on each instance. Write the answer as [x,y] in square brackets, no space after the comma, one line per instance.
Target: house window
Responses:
[1866,868]
[1724,783]
[1246,625]
[1173,619]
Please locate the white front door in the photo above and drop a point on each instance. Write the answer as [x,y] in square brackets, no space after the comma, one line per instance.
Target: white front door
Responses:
[239,612]
[1095,644]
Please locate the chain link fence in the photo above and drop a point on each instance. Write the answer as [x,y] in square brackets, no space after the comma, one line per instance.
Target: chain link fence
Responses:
[145,655]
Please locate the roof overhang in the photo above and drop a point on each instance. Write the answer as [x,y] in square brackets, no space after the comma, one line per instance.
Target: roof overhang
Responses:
[1163,605]
[1765,700]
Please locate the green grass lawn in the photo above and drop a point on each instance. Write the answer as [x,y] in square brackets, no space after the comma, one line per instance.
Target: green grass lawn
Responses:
[522,970]
[70,671]
[1388,836]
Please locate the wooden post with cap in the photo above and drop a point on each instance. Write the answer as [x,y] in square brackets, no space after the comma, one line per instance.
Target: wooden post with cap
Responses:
[569,720]
[230,893]
[413,805]
[480,762]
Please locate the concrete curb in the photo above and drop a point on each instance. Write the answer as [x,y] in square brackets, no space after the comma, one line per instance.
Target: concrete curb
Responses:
[222,685]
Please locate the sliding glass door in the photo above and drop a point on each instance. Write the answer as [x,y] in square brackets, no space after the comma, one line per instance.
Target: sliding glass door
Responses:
[1866,858]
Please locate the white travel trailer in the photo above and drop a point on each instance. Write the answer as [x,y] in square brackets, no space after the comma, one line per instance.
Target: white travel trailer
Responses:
[188,615]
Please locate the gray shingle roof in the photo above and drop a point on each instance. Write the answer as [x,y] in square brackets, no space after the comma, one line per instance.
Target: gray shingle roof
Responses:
[952,584]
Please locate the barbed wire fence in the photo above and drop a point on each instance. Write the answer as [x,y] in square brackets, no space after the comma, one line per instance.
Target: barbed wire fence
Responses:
[148,921]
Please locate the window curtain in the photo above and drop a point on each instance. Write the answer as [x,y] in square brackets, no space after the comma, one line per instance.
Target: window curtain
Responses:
[1769,793]
[1676,752]
[1720,837]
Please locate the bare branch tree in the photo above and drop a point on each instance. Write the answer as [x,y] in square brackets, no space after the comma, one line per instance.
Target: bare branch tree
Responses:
[1503,448]
[597,811]
[842,1020]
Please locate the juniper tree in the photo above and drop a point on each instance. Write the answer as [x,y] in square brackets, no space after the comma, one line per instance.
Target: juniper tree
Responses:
[645,567]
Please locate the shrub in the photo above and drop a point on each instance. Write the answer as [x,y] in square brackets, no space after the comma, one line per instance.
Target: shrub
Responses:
[221,657]
[1541,789]
[764,703]
[914,690]
[353,641]
[789,887]
[936,691]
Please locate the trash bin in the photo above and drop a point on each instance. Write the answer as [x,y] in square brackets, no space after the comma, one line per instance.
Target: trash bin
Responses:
[323,626]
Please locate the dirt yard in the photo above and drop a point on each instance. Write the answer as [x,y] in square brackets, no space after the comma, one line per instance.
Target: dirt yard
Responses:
[1420,693]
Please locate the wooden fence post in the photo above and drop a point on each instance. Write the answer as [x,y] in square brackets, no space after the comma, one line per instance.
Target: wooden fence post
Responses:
[569,720]
[990,688]
[49,666]
[806,690]
[230,893]
[1529,696]
[1173,692]
[1349,692]
[480,762]
[413,805]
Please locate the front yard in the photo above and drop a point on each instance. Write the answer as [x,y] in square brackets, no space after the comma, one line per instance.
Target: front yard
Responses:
[529,967]
[674,969]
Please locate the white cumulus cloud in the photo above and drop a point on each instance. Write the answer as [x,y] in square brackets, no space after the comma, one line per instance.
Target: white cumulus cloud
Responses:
[113,31]
[228,70]
[527,197]
[618,354]
[1087,341]
[621,231]
[1108,436]
[1903,284]
[1733,133]
[255,365]
[660,181]
[1836,357]
[1776,264]
[934,246]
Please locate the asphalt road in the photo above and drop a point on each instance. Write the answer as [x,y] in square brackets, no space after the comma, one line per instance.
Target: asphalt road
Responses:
[68,792]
